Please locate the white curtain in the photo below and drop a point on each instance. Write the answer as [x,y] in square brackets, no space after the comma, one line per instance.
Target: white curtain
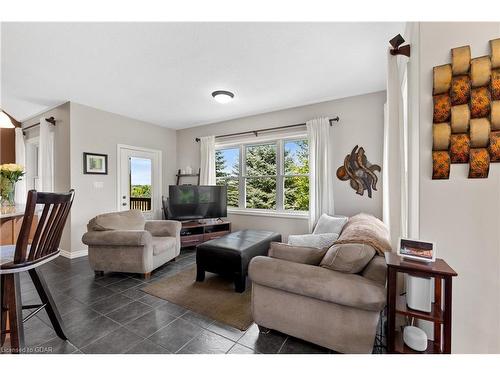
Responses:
[395,202]
[46,156]
[207,162]
[20,159]
[321,169]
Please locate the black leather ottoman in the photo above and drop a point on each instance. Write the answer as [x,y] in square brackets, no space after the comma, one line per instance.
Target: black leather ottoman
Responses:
[231,254]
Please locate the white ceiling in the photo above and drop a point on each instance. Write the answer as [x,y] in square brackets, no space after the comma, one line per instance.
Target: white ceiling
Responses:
[164,73]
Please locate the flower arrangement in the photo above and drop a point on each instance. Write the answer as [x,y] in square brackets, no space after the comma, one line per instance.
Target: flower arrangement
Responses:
[9,175]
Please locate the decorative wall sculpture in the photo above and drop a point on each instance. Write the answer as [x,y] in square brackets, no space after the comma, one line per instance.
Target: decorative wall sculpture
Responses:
[359,171]
[466,115]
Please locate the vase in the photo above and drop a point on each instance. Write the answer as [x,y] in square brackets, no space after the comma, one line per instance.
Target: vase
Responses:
[7,192]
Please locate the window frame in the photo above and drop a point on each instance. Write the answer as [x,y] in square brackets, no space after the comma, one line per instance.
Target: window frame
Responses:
[280,176]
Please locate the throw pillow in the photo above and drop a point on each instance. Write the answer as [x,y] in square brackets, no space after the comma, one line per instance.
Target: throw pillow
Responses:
[319,241]
[348,258]
[296,254]
[330,224]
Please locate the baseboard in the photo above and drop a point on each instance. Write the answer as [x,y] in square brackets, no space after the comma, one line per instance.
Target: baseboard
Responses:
[73,254]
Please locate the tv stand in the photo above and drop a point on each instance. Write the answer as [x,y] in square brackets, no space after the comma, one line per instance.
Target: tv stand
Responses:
[194,233]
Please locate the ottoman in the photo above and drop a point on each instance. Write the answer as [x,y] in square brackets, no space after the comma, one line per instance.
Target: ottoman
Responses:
[230,254]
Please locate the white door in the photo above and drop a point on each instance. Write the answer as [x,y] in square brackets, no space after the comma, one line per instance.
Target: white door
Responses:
[139,180]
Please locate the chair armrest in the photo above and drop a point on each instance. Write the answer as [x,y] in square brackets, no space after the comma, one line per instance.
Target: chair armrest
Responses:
[317,282]
[117,238]
[297,254]
[163,228]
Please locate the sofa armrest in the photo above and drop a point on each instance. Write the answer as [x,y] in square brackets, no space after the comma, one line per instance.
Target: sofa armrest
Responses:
[297,254]
[163,228]
[117,238]
[319,283]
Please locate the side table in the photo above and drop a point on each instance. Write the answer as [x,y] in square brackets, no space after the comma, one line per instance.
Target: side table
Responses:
[440,313]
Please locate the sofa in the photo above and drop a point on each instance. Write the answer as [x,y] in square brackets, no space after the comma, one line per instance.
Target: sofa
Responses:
[294,293]
[126,242]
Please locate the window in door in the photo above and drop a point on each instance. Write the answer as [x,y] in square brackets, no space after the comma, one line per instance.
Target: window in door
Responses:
[141,171]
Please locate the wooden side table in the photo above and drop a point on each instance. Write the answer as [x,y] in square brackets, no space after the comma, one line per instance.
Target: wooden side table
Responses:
[440,313]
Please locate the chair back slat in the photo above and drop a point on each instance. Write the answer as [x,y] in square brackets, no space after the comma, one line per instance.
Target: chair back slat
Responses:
[36,238]
[56,208]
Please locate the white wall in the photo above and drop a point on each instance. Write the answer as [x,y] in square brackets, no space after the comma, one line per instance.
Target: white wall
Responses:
[93,130]
[461,215]
[361,123]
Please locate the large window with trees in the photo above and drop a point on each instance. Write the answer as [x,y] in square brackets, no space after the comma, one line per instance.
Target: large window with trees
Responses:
[270,175]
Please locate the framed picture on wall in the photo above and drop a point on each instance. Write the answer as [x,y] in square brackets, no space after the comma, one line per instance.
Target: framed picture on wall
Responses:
[95,163]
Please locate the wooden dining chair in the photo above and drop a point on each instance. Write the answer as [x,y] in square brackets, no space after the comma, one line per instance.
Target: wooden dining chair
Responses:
[23,256]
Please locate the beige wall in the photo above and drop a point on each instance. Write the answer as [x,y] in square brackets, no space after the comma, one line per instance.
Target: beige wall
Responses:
[93,130]
[361,123]
[461,215]
[62,176]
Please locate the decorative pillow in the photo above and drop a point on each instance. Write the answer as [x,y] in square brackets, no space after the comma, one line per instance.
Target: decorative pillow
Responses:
[319,241]
[296,254]
[330,224]
[124,220]
[348,258]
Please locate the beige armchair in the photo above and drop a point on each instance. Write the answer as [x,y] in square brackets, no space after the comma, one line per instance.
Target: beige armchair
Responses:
[125,242]
[293,295]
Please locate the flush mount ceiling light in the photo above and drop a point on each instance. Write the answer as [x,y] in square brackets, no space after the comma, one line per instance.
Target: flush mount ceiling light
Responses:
[222,96]
[5,121]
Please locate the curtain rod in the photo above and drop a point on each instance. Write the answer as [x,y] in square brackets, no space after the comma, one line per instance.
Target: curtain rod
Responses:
[51,119]
[255,132]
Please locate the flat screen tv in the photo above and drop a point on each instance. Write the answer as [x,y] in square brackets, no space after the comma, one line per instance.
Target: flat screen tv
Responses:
[190,202]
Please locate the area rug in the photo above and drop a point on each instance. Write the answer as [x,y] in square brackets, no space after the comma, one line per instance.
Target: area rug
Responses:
[215,297]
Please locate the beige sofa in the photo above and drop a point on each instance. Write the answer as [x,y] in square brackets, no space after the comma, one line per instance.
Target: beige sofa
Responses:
[126,242]
[292,294]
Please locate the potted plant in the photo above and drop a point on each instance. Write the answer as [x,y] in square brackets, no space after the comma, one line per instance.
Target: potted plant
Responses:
[9,175]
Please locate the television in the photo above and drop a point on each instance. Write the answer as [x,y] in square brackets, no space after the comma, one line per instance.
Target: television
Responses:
[192,202]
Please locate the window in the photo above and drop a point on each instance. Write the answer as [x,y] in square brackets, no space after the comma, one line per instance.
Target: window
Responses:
[141,171]
[268,176]
[227,166]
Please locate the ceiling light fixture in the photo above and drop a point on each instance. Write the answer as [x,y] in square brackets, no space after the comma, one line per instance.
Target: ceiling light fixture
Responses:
[5,121]
[222,96]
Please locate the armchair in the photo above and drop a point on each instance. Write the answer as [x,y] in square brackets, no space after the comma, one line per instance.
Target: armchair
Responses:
[125,242]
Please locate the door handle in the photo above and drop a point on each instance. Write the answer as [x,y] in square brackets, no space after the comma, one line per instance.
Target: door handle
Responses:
[124,204]
[124,197]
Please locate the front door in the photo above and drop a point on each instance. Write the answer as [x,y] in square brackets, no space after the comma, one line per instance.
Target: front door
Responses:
[139,180]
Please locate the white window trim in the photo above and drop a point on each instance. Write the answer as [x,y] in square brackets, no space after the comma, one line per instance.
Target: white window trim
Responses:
[280,177]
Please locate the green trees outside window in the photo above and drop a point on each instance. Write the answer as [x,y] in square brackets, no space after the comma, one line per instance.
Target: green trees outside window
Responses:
[275,175]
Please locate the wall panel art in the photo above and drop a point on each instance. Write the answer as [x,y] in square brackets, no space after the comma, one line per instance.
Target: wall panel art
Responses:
[466,114]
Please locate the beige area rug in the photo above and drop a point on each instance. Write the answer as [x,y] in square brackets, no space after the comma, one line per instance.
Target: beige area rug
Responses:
[215,297]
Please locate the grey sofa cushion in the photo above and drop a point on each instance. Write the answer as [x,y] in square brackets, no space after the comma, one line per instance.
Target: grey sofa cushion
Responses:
[163,244]
[317,282]
[297,254]
[124,220]
[376,270]
[330,224]
[349,258]
[320,241]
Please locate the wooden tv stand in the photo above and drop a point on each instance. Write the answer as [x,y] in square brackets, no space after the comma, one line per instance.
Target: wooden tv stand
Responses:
[194,233]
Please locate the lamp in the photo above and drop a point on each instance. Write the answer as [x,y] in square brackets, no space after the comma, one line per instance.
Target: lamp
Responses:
[222,96]
[5,121]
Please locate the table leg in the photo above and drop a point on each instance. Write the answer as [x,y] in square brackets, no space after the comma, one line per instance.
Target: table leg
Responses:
[447,315]
[391,309]
[13,296]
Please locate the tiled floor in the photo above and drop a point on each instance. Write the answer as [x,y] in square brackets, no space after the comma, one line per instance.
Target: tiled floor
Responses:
[111,314]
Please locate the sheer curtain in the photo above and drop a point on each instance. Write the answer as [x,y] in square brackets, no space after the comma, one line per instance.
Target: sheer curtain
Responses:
[395,187]
[46,156]
[20,159]
[207,162]
[321,169]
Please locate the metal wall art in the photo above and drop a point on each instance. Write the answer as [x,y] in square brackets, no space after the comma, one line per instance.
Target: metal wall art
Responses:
[359,171]
[466,116]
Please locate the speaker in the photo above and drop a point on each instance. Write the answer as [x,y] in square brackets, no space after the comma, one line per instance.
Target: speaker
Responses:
[419,293]
[415,338]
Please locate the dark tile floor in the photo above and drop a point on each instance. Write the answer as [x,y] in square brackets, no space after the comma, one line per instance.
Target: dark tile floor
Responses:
[110,314]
